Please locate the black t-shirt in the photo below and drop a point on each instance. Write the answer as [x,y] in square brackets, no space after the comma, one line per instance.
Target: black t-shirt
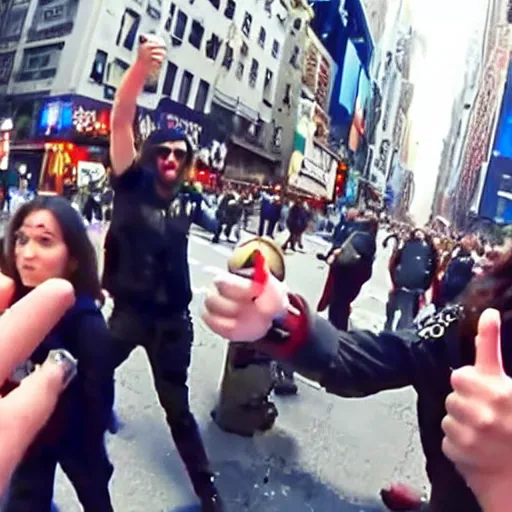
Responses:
[146,248]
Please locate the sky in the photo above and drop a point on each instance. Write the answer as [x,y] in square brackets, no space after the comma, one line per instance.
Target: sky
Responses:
[447,26]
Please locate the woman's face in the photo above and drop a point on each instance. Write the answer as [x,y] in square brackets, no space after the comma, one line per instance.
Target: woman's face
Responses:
[40,252]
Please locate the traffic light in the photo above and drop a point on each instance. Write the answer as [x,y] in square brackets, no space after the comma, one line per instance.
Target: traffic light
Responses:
[341,178]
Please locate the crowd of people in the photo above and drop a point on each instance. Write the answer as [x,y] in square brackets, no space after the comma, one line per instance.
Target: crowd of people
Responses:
[58,354]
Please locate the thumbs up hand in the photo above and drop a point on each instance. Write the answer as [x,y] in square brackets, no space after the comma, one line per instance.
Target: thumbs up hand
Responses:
[478,424]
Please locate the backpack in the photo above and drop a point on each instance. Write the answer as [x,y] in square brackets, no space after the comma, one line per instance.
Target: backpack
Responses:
[416,266]
[456,278]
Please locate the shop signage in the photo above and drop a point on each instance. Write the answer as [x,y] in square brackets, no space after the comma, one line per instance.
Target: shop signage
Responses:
[312,167]
[89,172]
[59,116]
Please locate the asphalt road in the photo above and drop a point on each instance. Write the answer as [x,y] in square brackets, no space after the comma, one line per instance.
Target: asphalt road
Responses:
[324,454]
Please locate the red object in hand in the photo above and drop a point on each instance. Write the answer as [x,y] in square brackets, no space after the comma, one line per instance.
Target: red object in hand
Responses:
[400,497]
[260,275]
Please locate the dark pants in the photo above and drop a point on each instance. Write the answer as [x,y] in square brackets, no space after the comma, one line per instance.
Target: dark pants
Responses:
[31,488]
[271,226]
[405,301]
[168,343]
[293,239]
[348,282]
[228,226]
[91,208]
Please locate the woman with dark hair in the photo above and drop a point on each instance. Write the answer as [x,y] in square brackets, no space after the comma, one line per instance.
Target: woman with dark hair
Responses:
[463,392]
[47,239]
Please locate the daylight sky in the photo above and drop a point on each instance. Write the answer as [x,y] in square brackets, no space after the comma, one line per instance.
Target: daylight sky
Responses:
[447,26]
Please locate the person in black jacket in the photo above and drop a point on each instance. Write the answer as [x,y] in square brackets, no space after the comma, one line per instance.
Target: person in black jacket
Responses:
[47,239]
[360,363]
[146,264]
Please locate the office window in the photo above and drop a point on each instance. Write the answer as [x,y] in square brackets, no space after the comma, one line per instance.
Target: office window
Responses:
[98,67]
[168,22]
[227,62]
[13,17]
[267,87]
[275,49]
[295,58]
[186,85]
[262,37]
[116,70]
[6,64]
[196,34]
[170,77]
[202,96]
[246,26]
[240,70]
[181,25]
[40,63]
[213,46]
[253,75]
[128,29]
[229,12]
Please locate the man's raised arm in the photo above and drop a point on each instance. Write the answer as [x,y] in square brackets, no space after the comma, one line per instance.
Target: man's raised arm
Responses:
[151,54]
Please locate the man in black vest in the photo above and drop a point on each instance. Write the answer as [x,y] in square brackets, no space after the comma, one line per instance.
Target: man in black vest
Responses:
[146,265]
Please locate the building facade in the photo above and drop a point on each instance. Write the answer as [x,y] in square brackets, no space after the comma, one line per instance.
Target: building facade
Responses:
[477,155]
[312,163]
[61,62]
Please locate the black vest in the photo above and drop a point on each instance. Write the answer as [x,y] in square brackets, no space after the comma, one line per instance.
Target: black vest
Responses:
[146,248]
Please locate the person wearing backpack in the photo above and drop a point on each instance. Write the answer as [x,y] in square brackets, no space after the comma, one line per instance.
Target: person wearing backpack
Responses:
[350,267]
[412,268]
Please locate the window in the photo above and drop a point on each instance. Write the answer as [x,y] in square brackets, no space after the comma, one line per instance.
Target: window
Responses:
[230,9]
[40,63]
[267,87]
[246,27]
[227,62]
[275,49]
[196,34]
[295,58]
[181,25]
[98,67]
[128,29]
[116,70]
[14,19]
[287,99]
[170,77]
[186,85]
[240,70]
[253,75]
[168,22]
[213,47]
[215,3]
[202,96]
[262,37]
[6,63]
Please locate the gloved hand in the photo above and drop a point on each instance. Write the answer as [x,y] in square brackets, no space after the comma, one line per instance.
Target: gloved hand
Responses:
[242,309]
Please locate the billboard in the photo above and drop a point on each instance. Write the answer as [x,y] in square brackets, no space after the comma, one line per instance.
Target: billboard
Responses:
[313,167]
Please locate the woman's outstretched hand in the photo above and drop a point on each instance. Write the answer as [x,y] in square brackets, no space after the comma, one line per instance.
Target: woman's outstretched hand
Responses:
[24,411]
[478,426]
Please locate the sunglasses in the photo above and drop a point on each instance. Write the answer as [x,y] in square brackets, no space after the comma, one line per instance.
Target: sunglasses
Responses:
[164,153]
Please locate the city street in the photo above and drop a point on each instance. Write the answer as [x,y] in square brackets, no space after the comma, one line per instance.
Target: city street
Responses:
[324,454]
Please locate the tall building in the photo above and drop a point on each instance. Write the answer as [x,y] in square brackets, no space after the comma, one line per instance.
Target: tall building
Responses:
[61,62]
[313,164]
[391,150]
[478,160]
